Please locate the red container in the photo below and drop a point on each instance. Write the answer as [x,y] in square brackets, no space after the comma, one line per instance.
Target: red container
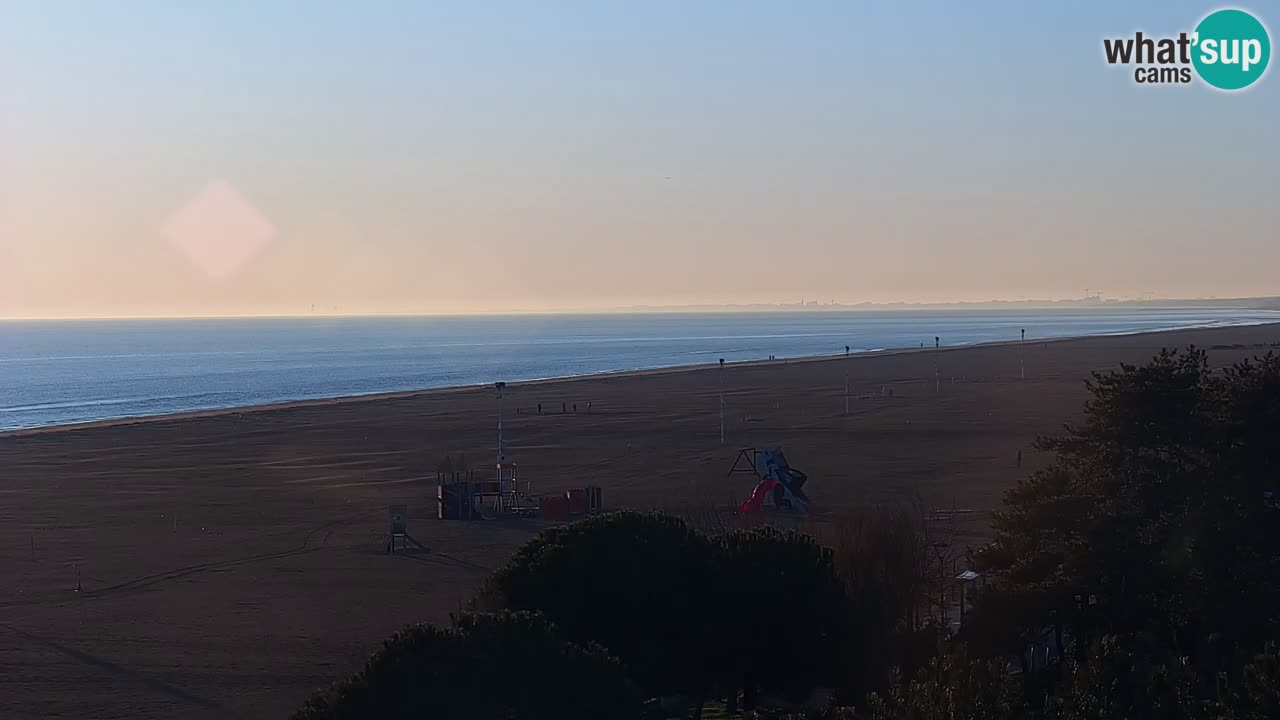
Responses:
[553,507]
[577,499]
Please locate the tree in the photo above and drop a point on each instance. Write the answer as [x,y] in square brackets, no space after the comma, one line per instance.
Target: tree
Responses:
[499,667]
[953,686]
[1120,680]
[1041,529]
[1256,695]
[892,564]
[784,614]
[1154,518]
[641,585]
[1237,519]
[885,552]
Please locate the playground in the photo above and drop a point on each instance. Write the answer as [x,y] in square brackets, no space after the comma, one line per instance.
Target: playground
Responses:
[225,565]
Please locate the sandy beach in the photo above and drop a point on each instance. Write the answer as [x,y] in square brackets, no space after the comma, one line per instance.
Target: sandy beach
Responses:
[224,565]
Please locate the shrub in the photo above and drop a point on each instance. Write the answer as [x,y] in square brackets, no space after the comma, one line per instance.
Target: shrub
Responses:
[642,585]
[952,686]
[499,667]
[784,615]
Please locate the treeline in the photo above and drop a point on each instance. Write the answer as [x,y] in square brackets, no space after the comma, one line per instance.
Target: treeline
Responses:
[1134,578]
[591,619]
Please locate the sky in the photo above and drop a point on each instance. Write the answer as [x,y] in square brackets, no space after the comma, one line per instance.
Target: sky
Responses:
[248,158]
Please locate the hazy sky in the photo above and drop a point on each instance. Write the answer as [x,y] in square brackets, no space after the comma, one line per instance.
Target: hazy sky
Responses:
[490,156]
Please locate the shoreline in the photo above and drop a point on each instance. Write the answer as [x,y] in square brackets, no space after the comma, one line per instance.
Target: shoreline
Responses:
[605,374]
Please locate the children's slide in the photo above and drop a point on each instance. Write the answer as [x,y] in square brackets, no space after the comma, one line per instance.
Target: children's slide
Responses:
[779,482]
[762,491]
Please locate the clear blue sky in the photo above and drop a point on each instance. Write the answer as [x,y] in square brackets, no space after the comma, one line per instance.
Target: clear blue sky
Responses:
[450,157]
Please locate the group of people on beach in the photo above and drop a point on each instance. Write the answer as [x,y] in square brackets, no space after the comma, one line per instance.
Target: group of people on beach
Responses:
[564,408]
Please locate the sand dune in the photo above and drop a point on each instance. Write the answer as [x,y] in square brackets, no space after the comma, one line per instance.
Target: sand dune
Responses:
[230,562]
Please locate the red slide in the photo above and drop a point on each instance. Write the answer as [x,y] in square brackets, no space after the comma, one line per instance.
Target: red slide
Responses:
[757,497]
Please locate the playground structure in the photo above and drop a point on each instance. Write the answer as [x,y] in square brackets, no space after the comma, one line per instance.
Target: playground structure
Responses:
[461,496]
[779,483]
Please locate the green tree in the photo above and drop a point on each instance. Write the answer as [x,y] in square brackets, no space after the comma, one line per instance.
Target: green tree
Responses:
[783,615]
[889,558]
[1256,695]
[499,667]
[952,686]
[884,551]
[1236,520]
[1120,680]
[642,585]
[1154,518]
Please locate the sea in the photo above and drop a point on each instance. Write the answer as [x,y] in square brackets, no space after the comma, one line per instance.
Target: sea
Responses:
[72,371]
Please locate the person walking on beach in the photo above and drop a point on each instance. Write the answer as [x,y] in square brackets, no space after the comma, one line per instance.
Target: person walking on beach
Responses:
[575,408]
[539,408]
[1019,457]
[563,408]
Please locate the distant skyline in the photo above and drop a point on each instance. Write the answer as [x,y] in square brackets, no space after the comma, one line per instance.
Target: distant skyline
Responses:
[189,159]
[1260,303]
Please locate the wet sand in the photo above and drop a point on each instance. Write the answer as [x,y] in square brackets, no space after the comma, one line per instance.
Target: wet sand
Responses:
[228,563]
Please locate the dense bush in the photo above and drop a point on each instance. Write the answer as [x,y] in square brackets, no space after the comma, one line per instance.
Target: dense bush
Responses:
[884,551]
[783,616]
[886,556]
[1255,694]
[952,686]
[1121,680]
[500,667]
[755,610]
[641,585]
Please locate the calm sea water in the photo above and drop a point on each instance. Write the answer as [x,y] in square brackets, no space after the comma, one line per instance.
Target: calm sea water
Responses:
[74,371]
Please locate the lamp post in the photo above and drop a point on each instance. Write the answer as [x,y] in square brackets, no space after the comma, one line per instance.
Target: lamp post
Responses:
[721,401]
[937,377]
[502,456]
[1022,354]
[846,380]
[500,387]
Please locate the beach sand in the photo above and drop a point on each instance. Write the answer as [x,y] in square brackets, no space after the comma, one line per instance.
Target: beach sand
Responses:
[230,563]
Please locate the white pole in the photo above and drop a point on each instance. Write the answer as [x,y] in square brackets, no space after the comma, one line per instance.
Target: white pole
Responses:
[502,454]
[937,378]
[502,457]
[1022,354]
[721,401]
[846,380]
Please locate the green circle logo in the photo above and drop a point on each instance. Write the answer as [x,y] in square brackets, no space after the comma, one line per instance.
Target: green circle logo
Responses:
[1232,48]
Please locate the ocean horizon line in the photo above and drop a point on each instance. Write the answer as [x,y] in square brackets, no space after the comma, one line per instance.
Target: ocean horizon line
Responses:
[1260,303]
